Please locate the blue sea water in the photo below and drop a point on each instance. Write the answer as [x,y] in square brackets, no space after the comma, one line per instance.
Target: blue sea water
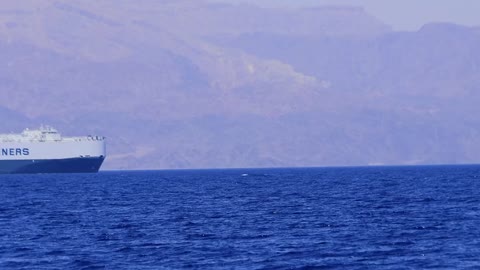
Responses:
[325,218]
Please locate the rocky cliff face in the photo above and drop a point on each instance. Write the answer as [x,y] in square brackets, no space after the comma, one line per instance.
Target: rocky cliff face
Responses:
[191,84]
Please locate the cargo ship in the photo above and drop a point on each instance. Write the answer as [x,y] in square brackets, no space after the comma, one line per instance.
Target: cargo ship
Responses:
[44,150]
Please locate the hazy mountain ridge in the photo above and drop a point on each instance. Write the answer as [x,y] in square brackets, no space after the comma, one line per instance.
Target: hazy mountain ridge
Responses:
[190,84]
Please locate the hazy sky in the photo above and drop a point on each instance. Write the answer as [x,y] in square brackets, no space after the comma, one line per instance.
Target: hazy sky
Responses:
[400,14]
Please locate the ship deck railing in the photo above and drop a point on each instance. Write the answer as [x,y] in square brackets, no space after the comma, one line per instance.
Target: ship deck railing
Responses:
[67,139]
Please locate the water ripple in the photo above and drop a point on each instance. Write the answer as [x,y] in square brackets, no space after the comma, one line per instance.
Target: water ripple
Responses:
[345,218]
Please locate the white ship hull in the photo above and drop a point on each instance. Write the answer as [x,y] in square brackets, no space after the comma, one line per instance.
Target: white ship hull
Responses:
[47,152]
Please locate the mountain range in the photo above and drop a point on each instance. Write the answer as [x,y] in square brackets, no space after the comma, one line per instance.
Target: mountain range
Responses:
[195,84]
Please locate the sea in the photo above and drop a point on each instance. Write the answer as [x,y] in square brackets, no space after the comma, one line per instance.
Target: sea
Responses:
[303,218]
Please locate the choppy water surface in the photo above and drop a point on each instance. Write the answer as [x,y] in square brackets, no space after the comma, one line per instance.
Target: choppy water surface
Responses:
[354,218]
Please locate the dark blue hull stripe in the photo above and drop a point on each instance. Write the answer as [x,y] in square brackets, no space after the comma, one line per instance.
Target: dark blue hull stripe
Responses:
[69,165]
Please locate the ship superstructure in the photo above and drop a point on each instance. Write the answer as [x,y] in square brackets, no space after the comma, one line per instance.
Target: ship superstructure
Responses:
[44,150]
